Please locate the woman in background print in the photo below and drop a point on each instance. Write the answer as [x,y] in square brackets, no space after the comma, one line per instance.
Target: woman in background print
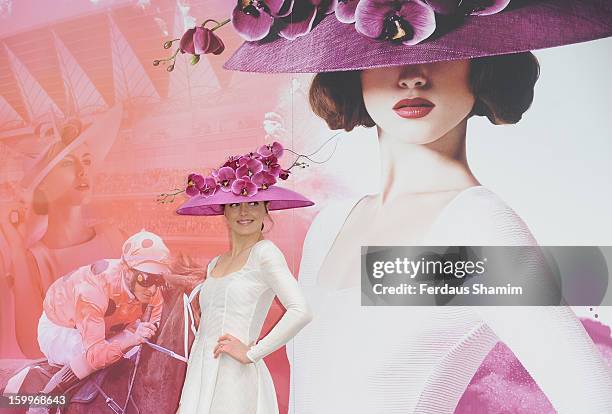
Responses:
[57,237]
[226,372]
[420,94]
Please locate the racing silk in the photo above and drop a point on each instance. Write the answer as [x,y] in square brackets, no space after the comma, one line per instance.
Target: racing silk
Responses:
[97,302]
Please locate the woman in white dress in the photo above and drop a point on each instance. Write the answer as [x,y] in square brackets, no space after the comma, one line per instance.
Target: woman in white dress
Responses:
[419,97]
[226,373]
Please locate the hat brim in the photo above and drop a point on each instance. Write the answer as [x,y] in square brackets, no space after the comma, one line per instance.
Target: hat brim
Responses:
[523,26]
[278,198]
[152,268]
[100,137]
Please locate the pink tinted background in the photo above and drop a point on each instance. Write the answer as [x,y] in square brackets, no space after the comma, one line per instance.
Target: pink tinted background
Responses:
[79,58]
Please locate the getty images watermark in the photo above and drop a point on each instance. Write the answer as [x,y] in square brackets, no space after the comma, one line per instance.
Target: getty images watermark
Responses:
[478,275]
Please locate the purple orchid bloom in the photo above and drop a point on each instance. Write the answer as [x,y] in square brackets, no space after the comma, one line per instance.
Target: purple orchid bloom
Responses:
[210,186]
[444,6]
[195,182]
[200,41]
[226,177]
[244,187]
[273,150]
[485,7]
[253,19]
[248,167]
[345,10]
[232,162]
[303,16]
[476,7]
[284,174]
[405,21]
[271,165]
[274,169]
[264,180]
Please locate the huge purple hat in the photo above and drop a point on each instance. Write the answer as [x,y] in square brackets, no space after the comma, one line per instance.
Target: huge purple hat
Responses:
[359,34]
[242,179]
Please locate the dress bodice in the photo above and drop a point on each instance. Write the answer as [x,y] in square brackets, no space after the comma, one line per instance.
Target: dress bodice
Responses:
[420,359]
[237,304]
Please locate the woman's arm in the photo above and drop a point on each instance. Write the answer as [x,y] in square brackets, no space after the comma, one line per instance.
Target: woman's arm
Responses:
[549,341]
[277,276]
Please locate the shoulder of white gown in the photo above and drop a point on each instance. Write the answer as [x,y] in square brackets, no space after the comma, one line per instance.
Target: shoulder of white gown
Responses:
[267,251]
[478,216]
[265,245]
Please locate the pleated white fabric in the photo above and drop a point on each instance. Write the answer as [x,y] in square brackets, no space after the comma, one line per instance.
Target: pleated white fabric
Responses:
[420,359]
[238,304]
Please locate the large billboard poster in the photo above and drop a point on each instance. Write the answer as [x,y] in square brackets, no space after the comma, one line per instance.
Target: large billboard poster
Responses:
[299,206]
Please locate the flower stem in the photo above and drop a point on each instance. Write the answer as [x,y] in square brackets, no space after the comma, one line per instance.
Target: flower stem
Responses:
[165,198]
[218,24]
[168,59]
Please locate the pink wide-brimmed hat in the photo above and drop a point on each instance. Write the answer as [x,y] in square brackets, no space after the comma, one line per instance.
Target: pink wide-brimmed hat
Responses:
[346,35]
[278,198]
[241,179]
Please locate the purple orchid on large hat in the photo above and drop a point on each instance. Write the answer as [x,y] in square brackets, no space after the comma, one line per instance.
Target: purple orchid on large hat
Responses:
[339,35]
[403,32]
[241,179]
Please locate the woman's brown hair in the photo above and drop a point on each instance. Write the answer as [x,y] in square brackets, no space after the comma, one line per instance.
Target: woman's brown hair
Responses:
[503,87]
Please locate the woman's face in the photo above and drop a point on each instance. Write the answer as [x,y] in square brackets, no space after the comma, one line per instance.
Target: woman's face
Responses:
[245,218]
[69,181]
[418,103]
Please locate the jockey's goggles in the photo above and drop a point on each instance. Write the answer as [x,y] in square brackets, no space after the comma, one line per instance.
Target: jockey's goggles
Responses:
[149,279]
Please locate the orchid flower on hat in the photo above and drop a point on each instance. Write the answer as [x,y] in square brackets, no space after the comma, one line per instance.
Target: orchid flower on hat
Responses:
[403,21]
[247,174]
[253,19]
[195,41]
[242,175]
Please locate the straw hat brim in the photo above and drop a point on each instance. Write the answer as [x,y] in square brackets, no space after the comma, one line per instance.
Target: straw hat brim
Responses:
[523,26]
[99,137]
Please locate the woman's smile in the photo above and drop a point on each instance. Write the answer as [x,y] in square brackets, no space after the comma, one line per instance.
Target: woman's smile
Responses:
[244,222]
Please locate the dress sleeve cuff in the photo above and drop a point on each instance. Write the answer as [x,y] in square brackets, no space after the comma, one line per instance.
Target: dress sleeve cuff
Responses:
[251,356]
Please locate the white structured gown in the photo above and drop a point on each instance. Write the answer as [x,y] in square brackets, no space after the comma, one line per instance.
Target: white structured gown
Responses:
[420,359]
[238,304]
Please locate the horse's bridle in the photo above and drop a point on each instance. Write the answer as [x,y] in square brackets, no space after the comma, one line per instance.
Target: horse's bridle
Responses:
[189,320]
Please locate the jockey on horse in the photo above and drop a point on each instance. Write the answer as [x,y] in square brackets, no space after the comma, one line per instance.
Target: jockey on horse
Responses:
[93,316]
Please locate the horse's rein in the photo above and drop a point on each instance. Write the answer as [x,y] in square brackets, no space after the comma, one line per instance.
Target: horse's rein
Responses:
[189,319]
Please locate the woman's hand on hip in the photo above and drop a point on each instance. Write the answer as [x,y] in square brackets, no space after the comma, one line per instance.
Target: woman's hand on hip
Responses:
[232,346]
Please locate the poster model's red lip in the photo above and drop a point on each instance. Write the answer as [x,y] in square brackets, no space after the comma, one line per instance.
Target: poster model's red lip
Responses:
[413,108]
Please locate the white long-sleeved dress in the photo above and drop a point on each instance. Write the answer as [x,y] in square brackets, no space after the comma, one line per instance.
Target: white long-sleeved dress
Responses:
[238,304]
[420,359]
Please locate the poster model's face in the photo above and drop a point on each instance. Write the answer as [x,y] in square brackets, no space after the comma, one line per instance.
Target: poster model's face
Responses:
[418,103]
[69,182]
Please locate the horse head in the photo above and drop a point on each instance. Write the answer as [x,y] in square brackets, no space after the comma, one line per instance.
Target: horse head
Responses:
[159,379]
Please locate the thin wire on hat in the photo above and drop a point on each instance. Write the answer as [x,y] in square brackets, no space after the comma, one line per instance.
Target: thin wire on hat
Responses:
[307,156]
[167,198]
